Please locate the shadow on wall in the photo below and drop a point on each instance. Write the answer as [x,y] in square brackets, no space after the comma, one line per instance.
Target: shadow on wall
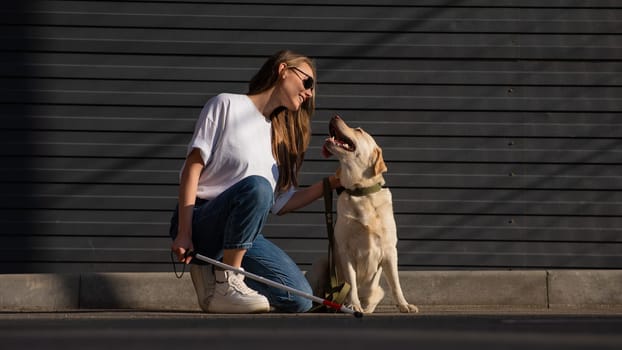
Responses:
[20,238]
[33,222]
[17,231]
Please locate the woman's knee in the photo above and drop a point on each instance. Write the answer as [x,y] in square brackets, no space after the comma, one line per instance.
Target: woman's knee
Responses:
[268,260]
[284,301]
[293,302]
[257,190]
[296,304]
[281,300]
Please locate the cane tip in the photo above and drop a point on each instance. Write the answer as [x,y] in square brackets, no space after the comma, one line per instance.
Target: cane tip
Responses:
[358,314]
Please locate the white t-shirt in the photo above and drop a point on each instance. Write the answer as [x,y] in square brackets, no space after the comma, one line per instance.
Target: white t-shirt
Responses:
[234,139]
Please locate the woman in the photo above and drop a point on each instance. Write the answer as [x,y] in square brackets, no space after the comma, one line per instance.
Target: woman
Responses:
[243,162]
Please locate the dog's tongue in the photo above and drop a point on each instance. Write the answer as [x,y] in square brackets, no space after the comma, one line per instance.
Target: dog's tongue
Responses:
[325,152]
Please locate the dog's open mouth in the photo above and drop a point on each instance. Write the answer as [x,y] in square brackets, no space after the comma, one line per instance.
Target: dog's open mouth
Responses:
[337,138]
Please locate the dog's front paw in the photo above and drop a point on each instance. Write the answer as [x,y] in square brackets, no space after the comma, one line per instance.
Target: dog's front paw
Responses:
[357,308]
[408,308]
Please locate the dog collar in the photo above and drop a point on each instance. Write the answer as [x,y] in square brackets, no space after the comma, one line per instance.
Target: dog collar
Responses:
[359,192]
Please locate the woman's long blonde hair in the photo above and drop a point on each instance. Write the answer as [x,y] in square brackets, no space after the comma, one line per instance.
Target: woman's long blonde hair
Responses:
[291,130]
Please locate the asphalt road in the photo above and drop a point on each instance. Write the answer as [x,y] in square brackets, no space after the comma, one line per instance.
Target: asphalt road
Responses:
[131,330]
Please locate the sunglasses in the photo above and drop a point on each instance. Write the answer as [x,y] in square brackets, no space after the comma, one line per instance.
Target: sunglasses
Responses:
[307,82]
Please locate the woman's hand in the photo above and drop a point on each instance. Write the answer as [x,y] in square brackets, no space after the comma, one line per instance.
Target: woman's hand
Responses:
[187,196]
[305,196]
[335,183]
[181,246]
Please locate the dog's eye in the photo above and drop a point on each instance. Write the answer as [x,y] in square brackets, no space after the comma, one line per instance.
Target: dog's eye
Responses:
[359,130]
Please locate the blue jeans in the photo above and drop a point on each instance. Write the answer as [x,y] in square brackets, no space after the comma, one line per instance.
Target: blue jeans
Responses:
[235,219]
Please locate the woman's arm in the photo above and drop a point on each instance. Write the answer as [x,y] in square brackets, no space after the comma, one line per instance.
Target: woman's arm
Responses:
[187,197]
[307,195]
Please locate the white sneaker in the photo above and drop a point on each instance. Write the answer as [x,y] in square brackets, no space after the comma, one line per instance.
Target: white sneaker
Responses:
[233,296]
[204,283]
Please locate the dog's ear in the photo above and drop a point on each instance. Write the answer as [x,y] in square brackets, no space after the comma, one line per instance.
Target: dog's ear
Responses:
[379,165]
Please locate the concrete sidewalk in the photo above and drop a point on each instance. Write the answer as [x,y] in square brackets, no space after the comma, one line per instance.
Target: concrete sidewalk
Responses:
[527,291]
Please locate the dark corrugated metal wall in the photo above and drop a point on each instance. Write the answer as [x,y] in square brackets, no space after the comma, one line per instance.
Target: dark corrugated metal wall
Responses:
[500,123]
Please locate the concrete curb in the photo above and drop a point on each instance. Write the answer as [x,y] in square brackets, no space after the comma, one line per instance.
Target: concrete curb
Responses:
[585,288]
[481,290]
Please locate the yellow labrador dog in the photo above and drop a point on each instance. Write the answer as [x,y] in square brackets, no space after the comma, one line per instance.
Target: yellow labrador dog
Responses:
[365,232]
